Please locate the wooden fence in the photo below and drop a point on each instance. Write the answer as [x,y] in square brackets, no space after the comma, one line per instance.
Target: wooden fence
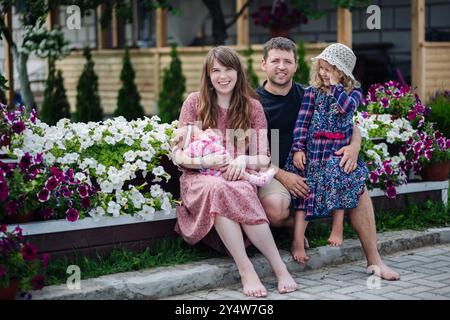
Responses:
[436,67]
[148,65]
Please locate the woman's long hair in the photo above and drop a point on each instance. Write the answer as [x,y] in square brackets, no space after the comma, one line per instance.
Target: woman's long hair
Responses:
[239,111]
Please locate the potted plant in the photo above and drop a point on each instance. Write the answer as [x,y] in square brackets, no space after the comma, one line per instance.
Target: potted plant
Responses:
[428,153]
[279,18]
[440,111]
[20,266]
[397,100]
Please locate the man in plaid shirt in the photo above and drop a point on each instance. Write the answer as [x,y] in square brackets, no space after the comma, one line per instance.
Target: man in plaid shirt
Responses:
[281,99]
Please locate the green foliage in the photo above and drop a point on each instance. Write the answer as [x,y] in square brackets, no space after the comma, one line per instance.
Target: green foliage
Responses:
[164,252]
[302,74]
[251,75]
[129,100]
[55,104]
[172,90]
[440,112]
[88,106]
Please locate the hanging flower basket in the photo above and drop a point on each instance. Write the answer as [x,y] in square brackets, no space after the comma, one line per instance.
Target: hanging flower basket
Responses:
[10,292]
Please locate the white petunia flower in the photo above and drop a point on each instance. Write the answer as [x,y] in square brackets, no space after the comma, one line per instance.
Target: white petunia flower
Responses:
[114,208]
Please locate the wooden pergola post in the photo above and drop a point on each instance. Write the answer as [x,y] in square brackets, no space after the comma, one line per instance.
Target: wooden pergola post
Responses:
[101,33]
[344,26]
[9,62]
[242,25]
[161,27]
[417,46]
[114,28]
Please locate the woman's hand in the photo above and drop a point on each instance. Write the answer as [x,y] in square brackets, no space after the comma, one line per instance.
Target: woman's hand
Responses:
[215,161]
[299,160]
[235,169]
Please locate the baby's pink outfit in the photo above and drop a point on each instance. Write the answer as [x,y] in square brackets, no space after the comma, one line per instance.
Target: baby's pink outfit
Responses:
[208,144]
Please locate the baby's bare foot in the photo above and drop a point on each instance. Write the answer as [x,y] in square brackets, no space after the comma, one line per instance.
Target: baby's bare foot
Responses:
[252,286]
[298,252]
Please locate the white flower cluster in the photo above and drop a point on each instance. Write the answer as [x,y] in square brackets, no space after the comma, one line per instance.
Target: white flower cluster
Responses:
[112,151]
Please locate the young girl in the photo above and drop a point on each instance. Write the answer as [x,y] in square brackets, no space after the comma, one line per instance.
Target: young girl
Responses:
[324,125]
[209,142]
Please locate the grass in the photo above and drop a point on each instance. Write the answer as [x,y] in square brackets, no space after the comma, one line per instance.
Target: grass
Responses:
[175,251]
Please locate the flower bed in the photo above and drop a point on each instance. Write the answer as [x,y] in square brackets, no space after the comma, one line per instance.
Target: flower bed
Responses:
[107,155]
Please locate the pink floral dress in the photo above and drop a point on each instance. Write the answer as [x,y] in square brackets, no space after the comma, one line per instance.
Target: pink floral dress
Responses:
[204,196]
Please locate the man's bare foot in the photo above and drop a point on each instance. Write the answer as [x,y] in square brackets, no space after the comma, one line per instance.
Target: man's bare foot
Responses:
[384,272]
[252,286]
[336,239]
[298,252]
[286,283]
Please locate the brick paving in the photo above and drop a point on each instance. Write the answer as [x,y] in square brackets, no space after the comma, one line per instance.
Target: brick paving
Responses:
[425,275]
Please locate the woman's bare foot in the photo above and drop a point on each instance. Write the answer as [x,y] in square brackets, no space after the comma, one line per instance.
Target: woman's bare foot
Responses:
[286,283]
[298,251]
[252,286]
[384,272]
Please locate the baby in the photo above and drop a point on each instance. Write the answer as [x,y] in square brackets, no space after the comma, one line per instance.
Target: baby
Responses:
[208,142]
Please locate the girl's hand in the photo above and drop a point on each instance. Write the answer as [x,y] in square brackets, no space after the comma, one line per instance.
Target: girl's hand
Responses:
[300,160]
[235,169]
[334,78]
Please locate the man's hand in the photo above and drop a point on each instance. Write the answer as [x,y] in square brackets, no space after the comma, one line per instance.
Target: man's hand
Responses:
[295,184]
[349,157]
[299,160]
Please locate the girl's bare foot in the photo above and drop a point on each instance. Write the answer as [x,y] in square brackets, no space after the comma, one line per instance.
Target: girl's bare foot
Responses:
[286,283]
[336,239]
[252,286]
[383,271]
[298,251]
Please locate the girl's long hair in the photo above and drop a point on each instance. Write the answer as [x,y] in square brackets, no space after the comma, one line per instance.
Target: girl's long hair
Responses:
[317,81]
[239,111]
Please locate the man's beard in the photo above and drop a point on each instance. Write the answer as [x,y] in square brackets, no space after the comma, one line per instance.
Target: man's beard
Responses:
[283,84]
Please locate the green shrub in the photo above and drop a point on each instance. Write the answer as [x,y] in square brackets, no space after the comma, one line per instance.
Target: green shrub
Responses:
[251,75]
[55,106]
[172,90]
[88,107]
[129,100]
[302,74]
[440,112]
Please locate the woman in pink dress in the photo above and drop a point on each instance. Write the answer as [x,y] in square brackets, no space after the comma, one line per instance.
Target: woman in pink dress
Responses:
[228,203]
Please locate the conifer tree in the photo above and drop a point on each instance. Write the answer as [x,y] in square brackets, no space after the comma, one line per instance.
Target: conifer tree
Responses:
[88,106]
[55,106]
[129,100]
[172,90]
[251,75]
[302,74]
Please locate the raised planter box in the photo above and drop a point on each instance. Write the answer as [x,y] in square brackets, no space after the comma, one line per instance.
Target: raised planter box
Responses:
[88,237]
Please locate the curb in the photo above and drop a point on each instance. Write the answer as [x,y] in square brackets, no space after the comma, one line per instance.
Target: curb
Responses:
[163,282]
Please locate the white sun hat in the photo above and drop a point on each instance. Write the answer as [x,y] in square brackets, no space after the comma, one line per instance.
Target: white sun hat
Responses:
[340,56]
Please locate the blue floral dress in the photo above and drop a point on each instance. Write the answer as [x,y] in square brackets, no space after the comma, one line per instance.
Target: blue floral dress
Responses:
[324,125]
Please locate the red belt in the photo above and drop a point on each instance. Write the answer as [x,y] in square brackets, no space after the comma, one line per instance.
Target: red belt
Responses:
[329,135]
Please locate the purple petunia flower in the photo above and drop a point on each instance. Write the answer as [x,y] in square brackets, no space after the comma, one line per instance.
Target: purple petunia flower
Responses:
[58,174]
[51,183]
[4,190]
[25,162]
[43,195]
[72,215]
[83,191]
[65,192]
[11,207]
[29,252]
[45,258]
[85,202]
[38,282]
[388,169]
[385,102]
[18,127]
[374,177]
[391,192]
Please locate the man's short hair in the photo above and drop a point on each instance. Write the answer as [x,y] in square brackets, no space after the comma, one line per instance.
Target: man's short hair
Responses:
[280,43]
